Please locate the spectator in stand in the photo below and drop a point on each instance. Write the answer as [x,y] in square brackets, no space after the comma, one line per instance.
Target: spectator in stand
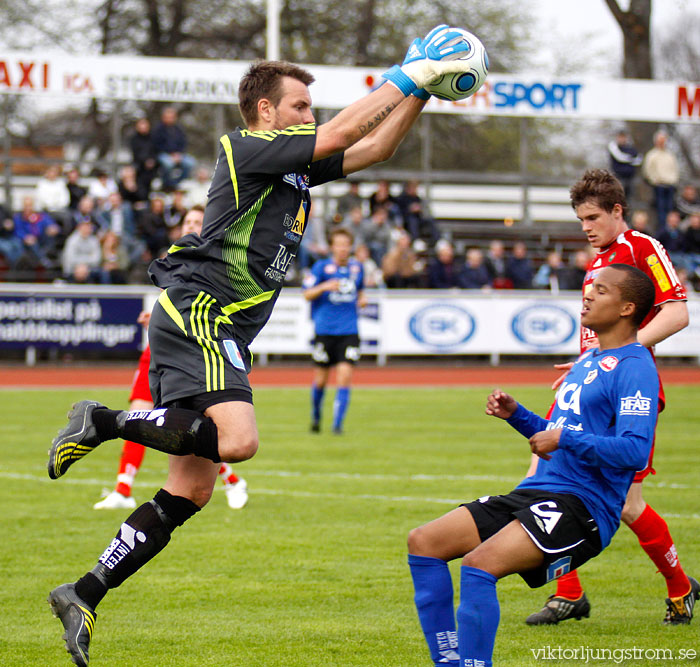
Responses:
[551,274]
[624,160]
[577,272]
[197,191]
[82,255]
[692,244]
[401,265]
[132,192]
[372,273]
[75,191]
[661,170]
[688,201]
[115,264]
[519,267]
[38,233]
[117,216]
[175,213]
[51,196]
[673,239]
[415,217]
[444,270]
[354,222]
[640,222]
[144,154]
[383,197]
[376,233]
[101,186]
[474,275]
[153,227]
[86,211]
[495,261]
[170,142]
[11,247]
[351,199]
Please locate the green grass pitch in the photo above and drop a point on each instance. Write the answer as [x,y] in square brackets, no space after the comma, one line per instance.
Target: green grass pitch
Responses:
[313,571]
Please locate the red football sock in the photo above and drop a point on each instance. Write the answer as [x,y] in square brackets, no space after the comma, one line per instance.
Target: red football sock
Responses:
[129,464]
[655,538]
[569,586]
[227,475]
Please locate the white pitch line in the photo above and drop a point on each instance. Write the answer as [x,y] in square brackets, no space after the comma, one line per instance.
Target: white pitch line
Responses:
[312,494]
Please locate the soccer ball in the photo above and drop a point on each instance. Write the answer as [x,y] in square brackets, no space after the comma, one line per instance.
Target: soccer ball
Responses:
[460,85]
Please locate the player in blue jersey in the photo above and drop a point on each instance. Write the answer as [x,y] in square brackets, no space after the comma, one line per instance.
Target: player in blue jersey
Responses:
[335,290]
[599,434]
[219,289]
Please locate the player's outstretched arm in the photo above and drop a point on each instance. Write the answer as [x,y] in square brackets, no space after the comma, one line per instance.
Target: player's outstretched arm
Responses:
[501,405]
[671,318]
[425,61]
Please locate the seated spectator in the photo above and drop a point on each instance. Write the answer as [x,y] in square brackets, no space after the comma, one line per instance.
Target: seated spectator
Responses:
[132,192]
[640,222]
[75,191]
[51,196]
[175,212]
[673,239]
[87,212]
[401,265]
[474,275]
[519,267]
[117,216]
[144,154]
[373,277]
[444,271]
[574,277]
[692,244]
[101,186]
[551,274]
[197,190]
[354,222]
[11,247]
[82,255]
[688,201]
[38,233]
[351,199]
[383,197]
[415,217]
[170,143]
[114,267]
[153,228]
[495,261]
[376,233]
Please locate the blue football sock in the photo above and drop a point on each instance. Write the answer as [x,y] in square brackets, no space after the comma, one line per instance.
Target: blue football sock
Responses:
[316,401]
[340,406]
[435,605]
[478,615]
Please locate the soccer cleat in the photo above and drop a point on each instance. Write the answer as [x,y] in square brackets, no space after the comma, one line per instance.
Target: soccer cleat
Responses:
[560,609]
[680,610]
[237,494]
[75,440]
[315,427]
[337,430]
[78,620]
[115,501]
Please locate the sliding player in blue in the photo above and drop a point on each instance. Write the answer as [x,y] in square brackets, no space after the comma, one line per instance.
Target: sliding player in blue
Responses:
[600,432]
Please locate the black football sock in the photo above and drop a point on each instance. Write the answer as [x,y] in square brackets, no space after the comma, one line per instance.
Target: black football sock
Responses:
[170,430]
[143,535]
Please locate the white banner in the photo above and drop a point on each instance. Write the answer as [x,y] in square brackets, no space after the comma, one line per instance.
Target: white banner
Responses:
[216,81]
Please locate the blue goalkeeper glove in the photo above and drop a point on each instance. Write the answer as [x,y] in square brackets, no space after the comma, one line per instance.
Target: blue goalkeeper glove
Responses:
[427,59]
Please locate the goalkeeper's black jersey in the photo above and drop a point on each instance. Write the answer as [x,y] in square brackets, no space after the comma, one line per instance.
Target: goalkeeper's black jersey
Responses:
[256,213]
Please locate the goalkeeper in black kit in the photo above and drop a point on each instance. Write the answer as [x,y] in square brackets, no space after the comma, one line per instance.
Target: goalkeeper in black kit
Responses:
[219,289]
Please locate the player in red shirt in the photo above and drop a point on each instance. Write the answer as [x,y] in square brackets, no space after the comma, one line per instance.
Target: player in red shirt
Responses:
[600,204]
[235,487]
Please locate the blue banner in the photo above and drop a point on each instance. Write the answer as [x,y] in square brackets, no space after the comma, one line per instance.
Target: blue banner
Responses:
[72,322]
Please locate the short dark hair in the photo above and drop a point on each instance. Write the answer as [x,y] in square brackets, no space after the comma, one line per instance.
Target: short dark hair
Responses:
[602,187]
[196,207]
[637,288]
[264,80]
[341,231]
